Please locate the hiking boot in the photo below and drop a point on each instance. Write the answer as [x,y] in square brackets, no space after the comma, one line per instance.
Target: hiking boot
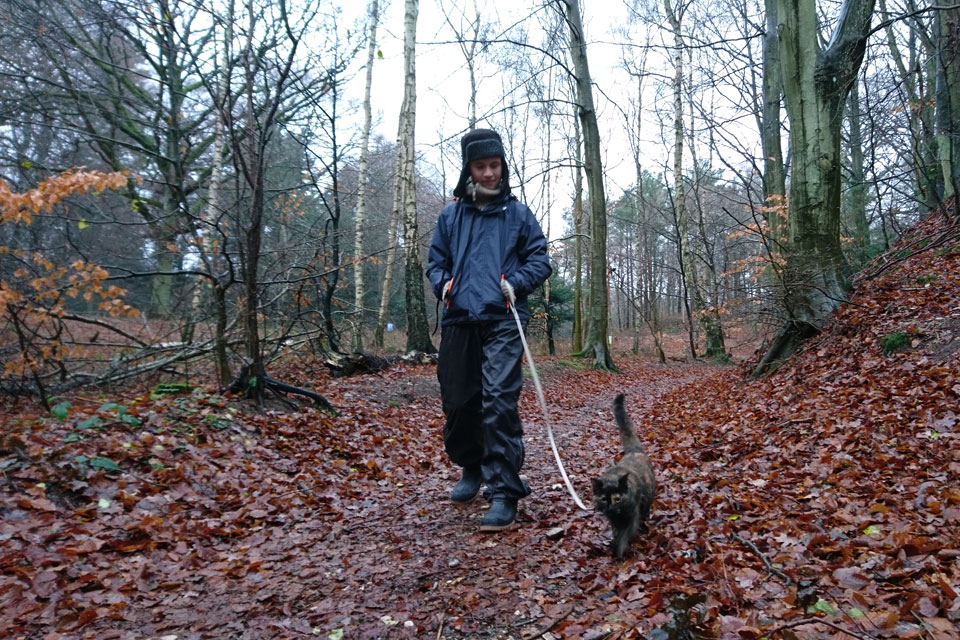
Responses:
[502,513]
[469,485]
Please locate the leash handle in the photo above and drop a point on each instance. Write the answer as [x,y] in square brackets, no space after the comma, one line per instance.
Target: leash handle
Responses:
[546,414]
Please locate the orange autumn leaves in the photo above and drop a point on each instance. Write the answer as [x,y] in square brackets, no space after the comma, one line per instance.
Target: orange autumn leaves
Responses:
[20,207]
[34,289]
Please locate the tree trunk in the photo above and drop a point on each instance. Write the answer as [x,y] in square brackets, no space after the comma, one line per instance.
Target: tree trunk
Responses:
[915,75]
[856,201]
[578,231]
[816,84]
[947,20]
[469,40]
[596,344]
[548,205]
[361,211]
[391,258]
[706,305]
[688,272]
[418,330]
[213,209]
[253,233]
[774,180]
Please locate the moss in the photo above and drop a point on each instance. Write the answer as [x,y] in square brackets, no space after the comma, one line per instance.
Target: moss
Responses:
[580,366]
[893,342]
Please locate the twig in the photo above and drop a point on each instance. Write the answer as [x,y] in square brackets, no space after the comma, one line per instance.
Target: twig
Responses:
[803,621]
[553,623]
[766,561]
[922,623]
[938,239]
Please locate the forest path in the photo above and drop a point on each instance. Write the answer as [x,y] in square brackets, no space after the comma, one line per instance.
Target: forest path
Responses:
[404,560]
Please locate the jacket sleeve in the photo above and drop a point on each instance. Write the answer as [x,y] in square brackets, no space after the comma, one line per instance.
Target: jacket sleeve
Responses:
[534,260]
[439,258]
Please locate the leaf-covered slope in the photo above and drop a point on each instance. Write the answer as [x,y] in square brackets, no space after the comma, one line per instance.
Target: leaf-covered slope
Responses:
[831,487]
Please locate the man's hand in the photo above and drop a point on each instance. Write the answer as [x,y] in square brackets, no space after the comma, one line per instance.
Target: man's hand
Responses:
[507,290]
[446,290]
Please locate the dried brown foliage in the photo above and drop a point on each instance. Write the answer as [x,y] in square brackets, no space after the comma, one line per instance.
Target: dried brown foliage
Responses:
[820,502]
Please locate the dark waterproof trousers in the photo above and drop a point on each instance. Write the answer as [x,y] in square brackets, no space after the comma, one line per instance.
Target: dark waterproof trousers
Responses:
[480,379]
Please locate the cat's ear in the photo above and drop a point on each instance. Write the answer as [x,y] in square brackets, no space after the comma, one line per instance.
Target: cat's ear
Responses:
[623,481]
[597,485]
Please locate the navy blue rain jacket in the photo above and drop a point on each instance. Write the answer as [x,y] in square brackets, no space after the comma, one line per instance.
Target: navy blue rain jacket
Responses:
[475,246]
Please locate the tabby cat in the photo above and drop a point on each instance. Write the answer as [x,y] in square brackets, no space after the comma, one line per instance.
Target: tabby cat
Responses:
[625,491]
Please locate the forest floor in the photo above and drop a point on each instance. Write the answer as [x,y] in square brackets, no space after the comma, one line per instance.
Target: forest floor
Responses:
[820,502]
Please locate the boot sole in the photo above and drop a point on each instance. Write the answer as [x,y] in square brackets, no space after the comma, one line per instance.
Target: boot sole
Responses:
[493,528]
[467,501]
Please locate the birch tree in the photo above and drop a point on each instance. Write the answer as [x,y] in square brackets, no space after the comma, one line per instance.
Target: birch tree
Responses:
[688,272]
[361,209]
[418,330]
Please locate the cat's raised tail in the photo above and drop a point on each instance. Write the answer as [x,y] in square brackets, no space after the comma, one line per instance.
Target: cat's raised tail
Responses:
[627,435]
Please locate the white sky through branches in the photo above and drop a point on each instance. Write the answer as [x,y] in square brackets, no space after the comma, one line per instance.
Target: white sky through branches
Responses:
[443,93]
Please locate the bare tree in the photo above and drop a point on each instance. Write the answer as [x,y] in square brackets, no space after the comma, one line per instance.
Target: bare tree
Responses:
[596,344]
[471,32]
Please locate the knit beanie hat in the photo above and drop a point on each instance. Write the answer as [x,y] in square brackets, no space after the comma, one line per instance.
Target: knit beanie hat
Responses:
[476,144]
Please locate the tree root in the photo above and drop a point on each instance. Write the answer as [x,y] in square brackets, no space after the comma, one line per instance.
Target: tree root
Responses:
[238,385]
[805,621]
[786,343]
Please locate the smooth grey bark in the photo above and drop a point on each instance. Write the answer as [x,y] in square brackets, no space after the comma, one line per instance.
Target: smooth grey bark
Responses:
[774,175]
[947,21]
[816,83]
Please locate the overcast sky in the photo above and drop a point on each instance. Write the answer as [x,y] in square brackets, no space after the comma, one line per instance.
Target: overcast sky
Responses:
[443,88]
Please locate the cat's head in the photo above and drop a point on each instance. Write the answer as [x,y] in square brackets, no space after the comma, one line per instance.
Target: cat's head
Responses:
[611,493]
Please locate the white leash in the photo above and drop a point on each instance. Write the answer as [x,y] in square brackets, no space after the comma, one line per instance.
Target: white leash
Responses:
[543,405]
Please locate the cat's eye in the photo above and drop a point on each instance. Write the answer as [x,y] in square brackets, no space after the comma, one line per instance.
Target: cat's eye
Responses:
[615,498]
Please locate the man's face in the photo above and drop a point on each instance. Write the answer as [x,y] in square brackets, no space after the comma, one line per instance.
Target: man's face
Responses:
[486,172]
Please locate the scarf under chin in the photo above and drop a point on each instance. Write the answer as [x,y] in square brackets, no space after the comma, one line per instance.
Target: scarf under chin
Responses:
[480,194]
